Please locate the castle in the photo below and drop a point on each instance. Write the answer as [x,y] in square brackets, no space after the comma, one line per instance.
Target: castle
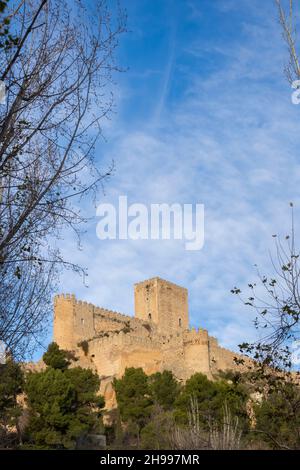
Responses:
[157,338]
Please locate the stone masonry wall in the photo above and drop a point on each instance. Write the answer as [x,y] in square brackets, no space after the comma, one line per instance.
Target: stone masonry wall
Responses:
[158,337]
[162,302]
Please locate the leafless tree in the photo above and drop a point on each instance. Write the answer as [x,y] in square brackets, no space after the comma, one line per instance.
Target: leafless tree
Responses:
[26,303]
[276,297]
[193,435]
[227,435]
[276,301]
[288,21]
[220,436]
[58,77]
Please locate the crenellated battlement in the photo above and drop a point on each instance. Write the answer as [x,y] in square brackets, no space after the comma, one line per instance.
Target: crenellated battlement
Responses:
[67,296]
[156,338]
[195,336]
[104,312]
[160,280]
[97,310]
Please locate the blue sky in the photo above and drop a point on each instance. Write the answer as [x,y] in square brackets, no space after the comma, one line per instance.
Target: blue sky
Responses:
[203,115]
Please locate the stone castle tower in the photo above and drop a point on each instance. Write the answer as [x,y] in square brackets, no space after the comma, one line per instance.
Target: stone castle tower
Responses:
[158,337]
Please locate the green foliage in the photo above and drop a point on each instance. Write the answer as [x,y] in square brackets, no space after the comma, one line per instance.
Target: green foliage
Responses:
[55,357]
[278,417]
[156,434]
[197,386]
[150,406]
[134,397]
[114,430]
[62,402]
[51,398]
[11,385]
[164,389]
[7,40]
[86,383]
[211,397]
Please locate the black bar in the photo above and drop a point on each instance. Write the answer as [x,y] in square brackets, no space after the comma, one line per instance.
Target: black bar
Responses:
[138,458]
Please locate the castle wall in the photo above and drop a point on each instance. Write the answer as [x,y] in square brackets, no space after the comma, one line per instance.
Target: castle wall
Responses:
[220,358]
[162,302]
[73,321]
[112,354]
[63,322]
[145,301]
[84,327]
[172,307]
[109,321]
[161,341]
[196,352]
[173,355]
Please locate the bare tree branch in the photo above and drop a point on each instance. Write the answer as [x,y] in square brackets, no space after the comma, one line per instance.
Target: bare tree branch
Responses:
[58,78]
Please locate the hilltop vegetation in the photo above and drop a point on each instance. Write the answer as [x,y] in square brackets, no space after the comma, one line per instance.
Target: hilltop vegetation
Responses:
[63,406]
[62,403]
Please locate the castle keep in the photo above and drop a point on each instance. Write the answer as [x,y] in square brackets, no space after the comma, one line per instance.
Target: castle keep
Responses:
[158,337]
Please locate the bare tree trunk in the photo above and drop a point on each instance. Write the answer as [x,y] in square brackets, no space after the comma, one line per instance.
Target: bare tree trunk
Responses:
[58,81]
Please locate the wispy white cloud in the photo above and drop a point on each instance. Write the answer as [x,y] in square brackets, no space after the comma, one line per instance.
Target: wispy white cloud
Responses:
[230,140]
